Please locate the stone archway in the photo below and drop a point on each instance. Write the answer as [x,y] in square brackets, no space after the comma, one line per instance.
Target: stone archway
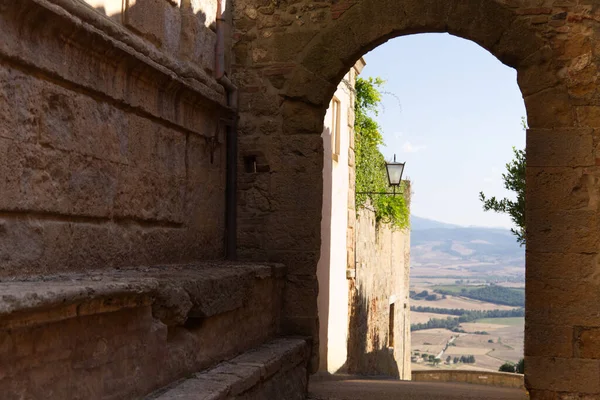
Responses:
[290,57]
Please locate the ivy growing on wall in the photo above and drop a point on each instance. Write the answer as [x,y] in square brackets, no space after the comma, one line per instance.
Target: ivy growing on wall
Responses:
[371,175]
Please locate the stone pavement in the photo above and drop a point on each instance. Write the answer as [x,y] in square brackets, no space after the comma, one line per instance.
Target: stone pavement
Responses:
[387,389]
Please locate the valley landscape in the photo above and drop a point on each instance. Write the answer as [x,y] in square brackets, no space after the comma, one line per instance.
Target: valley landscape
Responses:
[467,296]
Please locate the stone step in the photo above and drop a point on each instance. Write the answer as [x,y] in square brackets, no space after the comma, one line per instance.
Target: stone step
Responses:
[275,370]
[123,333]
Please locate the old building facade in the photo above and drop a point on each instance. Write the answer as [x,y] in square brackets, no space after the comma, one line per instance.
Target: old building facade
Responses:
[363,269]
[113,119]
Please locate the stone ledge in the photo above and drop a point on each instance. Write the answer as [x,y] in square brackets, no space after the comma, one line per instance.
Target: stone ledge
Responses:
[137,47]
[176,292]
[142,78]
[233,378]
[501,379]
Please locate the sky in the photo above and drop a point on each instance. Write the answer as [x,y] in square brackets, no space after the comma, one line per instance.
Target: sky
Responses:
[453,115]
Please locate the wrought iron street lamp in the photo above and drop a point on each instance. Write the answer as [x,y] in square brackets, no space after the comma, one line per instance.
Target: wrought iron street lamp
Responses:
[394,173]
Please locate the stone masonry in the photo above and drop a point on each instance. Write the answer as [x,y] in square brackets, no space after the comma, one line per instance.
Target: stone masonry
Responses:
[111,151]
[379,335]
[112,148]
[290,56]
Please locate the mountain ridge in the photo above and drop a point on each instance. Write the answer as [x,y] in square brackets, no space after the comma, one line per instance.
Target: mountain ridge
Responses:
[437,246]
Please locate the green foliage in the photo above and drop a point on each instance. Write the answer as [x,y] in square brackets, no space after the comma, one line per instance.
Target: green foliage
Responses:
[467,359]
[471,315]
[520,367]
[371,175]
[453,324]
[514,180]
[507,367]
[493,294]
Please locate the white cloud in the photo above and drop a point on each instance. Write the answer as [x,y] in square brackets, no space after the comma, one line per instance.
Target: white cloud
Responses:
[408,147]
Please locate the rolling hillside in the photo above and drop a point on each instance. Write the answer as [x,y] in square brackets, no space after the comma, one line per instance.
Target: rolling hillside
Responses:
[443,249]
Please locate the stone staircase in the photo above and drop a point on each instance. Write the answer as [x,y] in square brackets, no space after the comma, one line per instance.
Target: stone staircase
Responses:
[275,370]
[124,333]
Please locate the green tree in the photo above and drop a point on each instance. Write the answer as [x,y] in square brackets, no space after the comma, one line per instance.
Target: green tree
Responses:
[371,175]
[514,180]
[520,367]
[431,358]
[507,367]
[436,361]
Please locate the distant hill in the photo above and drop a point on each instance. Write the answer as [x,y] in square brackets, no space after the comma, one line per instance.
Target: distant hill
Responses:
[438,247]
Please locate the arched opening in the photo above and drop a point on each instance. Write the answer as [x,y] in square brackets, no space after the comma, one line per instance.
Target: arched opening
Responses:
[453,113]
[304,67]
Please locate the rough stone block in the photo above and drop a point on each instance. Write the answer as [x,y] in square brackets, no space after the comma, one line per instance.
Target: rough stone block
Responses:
[566,302]
[560,148]
[559,188]
[587,343]
[306,235]
[576,376]
[302,118]
[92,186]
[562,267]
[155,20]
[38,178]
[549,340]
[562,231]
[588,116]
[19,105]
[149,196]
[550,108]
[300,295]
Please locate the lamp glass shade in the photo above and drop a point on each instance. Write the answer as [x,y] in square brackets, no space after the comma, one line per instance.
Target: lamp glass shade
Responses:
[394,172]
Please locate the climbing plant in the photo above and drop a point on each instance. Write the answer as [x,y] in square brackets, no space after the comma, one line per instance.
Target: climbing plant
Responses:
[371,175]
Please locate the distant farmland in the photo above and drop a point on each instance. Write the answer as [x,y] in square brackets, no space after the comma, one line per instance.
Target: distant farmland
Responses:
[492,293]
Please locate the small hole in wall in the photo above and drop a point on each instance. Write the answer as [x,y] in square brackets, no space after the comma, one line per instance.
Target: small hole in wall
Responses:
[193,323]
[250,164]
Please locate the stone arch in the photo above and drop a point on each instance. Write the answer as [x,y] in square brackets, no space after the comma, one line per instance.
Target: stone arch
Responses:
[505,32]
[552,50]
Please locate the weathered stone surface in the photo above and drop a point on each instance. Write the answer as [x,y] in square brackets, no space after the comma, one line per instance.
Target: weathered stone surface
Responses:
[550,45]
[100,334]
[577,375]
[382,269]
[85,184]
[276,369]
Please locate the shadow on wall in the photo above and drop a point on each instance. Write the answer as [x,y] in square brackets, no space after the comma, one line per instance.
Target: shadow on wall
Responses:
[367,354]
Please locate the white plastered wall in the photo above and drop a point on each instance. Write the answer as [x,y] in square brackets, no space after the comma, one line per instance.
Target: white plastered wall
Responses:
[331,270]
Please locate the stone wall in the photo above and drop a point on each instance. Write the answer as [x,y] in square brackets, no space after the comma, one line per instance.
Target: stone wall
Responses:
[379,332]
[111,150]
[501,379]
[121,334]
[291,56]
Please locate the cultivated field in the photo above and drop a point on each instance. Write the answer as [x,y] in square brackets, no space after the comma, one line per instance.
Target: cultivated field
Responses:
[505,334]
[430,341]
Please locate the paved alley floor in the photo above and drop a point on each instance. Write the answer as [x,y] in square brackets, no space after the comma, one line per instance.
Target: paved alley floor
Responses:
[371,389]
